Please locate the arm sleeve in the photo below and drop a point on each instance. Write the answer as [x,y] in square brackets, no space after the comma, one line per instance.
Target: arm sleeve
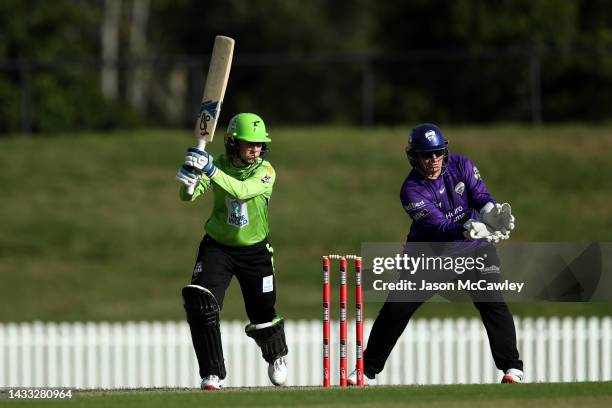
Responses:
[429,218]
[478,193]
[200,189]
[260,183]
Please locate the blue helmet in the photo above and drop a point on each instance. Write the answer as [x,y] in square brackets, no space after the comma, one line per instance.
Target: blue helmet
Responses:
[425,138]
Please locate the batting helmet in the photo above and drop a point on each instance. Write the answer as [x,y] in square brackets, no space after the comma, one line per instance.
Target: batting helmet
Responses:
[248,127]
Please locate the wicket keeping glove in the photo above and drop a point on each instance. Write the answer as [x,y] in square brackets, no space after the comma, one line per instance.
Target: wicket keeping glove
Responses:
[201,160]
[498,216]
[481,231]
[188,177]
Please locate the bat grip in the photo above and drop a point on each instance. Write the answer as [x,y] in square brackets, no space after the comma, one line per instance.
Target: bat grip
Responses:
[201,146]
[191,189]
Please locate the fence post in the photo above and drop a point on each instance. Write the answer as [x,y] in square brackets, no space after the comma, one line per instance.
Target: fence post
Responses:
[461,336]
[580,348]
[435,340]
[567,353]
[78,353]
[526,347]
[606,349]
[554,336]
[423,368]
[66,343]
[594,337]
[3,381]
[131,349]
[52,379]
[26,341]
[118,354]
[542,334]
[448,336]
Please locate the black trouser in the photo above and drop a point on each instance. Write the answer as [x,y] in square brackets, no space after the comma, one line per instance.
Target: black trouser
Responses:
[394,317]
[215,266]
[253,266]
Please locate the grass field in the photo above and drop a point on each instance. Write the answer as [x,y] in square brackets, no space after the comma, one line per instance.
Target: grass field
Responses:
[584,395]
[92,227]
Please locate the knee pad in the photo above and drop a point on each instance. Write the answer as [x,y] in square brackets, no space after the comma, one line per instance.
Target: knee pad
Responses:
[202,312]
[270,337]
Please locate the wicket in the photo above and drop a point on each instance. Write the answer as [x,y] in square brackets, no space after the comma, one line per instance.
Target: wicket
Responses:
[343,319]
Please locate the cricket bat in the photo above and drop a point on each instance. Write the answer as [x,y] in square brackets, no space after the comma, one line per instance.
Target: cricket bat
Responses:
[214,90]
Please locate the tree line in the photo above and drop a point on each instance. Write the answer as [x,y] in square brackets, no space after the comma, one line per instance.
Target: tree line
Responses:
[104,64]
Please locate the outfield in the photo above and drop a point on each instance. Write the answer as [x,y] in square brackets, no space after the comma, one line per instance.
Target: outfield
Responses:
[93,221]
[584,395]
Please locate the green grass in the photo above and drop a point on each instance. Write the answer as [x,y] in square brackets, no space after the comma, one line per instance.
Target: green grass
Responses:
[92,227]
[585,395]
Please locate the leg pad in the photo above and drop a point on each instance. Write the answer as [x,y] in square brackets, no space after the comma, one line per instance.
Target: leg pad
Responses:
[202,312]
[270,337]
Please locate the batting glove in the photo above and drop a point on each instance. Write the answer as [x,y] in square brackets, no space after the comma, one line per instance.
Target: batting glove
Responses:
[498,216]
[481,231]
[188,177]
[201,160]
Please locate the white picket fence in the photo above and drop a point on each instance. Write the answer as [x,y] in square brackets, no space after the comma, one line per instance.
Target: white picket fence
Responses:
[159,354]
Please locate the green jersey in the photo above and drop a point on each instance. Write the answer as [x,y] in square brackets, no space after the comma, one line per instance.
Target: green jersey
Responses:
[240,213]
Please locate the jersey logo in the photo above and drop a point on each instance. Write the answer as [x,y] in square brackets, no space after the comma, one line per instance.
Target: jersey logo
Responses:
[237,212]
[455,214]
[460,188]
[414,206]
[477,173]
[197,270]
[266,179]
[442,190]
[417,216]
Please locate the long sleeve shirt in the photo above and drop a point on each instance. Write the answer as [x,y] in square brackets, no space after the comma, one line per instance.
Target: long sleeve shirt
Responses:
[440,207]
[241,196]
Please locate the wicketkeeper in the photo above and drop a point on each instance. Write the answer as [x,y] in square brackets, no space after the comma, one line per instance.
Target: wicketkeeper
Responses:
[235,244]
[448,201]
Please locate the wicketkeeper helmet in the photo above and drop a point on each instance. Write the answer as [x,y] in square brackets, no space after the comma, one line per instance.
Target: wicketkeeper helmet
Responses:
[425,138]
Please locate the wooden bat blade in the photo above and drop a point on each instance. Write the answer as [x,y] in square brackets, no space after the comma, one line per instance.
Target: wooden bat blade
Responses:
[214,89]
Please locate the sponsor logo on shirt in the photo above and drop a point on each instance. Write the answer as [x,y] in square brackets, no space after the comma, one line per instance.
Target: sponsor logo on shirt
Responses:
[489,269]
[460,188]
[237,212]
[442,190]
[477,173]
[414,206]
[455,214]
[197,270]
[417,216]
[266,179]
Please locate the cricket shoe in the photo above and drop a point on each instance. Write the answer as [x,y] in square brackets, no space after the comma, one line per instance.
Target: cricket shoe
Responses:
[277,371]
[211,383]
[351,379]
[512,376]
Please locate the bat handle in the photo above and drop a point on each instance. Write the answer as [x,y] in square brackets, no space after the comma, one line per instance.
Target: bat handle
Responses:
[201,145]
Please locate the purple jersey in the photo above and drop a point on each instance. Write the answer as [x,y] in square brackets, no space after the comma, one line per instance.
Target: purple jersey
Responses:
[439,207]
